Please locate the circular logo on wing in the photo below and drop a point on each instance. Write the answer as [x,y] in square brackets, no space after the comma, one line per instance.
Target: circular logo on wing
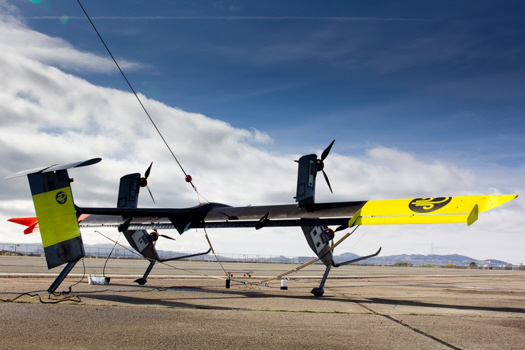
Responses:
[427,205]
[61,197]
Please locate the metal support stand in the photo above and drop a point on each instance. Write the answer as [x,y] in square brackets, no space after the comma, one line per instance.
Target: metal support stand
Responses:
[62,275]
[142,281]
[319,291]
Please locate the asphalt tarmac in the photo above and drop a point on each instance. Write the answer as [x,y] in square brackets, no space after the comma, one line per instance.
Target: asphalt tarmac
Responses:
[187,306]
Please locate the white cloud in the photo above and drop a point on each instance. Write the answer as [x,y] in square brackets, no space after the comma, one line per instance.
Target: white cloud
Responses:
[20,41]
[48,116]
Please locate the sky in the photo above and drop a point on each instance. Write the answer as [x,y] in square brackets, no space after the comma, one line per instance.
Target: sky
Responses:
[424,99]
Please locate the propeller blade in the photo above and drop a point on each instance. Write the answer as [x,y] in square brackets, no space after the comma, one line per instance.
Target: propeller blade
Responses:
[168,237]
[144,179]
[326,151]
[151,194]
[146,174]
[328,182]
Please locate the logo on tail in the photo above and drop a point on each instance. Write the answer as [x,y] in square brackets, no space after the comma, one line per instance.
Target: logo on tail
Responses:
[61,197]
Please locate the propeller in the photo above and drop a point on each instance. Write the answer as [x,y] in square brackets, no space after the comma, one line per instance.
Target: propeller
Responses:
[144,181]
[320,164]
[330,233]
[155,236]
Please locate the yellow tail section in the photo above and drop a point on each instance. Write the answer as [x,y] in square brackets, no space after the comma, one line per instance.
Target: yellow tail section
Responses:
[57,217]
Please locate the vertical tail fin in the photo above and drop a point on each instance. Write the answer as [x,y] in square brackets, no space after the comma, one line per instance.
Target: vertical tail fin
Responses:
[56,212]
[57,217]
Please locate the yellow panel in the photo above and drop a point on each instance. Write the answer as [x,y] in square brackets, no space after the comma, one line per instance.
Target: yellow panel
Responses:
[434,210]
[57,217]
[412,219]
[435,205]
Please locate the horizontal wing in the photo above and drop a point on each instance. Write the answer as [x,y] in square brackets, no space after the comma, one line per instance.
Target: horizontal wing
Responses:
[216,215]
[463,209]
[56,167]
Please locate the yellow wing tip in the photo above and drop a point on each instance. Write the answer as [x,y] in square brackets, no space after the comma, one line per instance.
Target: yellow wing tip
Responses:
[493,201]
[453,210]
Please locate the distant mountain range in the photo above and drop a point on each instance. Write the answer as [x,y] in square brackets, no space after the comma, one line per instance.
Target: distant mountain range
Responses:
[418,260]
[413,260]
[103,250]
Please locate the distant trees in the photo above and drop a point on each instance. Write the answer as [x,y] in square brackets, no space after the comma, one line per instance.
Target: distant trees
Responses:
[430,265]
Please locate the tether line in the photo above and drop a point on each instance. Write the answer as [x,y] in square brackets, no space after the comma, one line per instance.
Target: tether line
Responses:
[135,93]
